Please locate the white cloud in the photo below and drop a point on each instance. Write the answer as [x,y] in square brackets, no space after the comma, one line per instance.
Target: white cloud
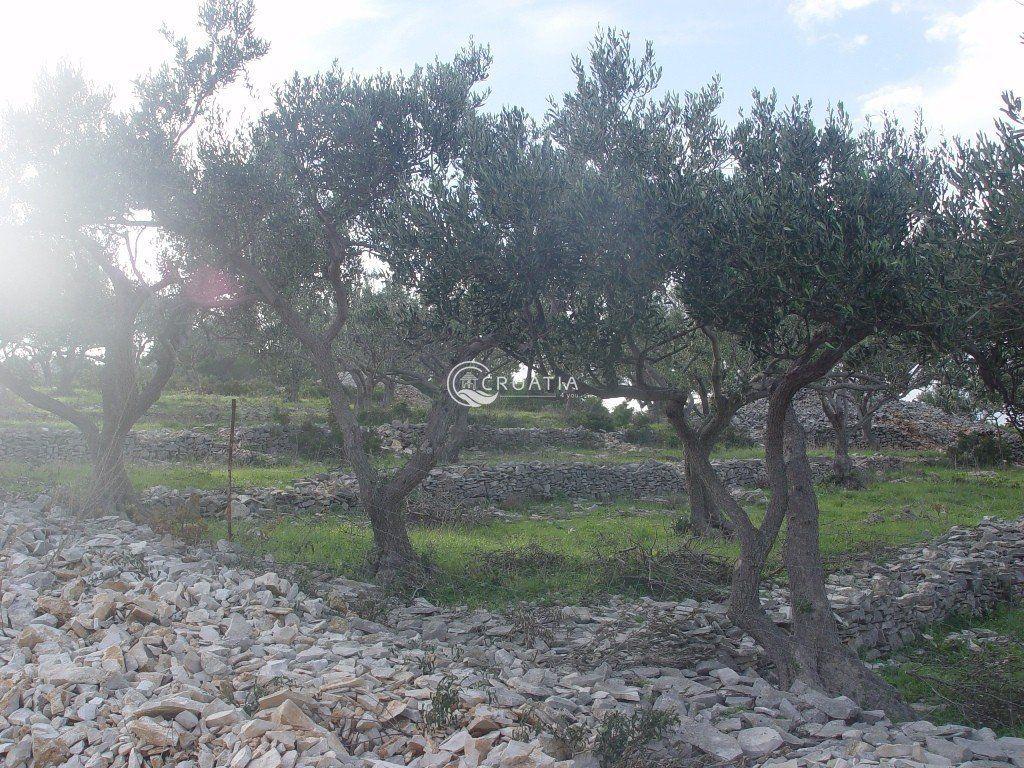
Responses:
[115,40]
[94,35]
[964,96]
[809,12]
[857,41]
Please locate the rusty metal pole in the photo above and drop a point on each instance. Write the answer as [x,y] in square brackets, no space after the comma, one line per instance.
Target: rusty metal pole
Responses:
[231,461]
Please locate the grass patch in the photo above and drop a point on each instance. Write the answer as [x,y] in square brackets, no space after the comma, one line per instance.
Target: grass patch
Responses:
[175,410]
[179,409]
[559,551]
[489,564]
[966,675]
[28,480]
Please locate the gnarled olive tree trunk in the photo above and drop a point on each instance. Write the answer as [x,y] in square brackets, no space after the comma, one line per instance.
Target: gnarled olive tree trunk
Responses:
[836,411]
[705,516]
[812,651]
[822,658]
[110,489]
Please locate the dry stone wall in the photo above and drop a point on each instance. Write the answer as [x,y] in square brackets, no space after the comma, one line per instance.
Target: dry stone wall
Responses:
[39,445]
[967,571]
[448,490]
[263,442]
[897,426]
[402,437]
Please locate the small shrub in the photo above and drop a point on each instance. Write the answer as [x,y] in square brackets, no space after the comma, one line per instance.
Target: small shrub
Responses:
[445,705]
[237,388]
[980,449]
[313,441]
[622,414]
[280,416]
[622,741]
[591,414]
[640,430]
[401,411]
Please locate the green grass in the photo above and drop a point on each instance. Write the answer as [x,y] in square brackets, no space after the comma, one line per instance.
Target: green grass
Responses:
[177,409]
[557,551]
[978,687]
[24,479]
[490,564]
[508,417]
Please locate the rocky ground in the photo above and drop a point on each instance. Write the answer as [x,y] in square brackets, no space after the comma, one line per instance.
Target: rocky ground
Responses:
[121,648]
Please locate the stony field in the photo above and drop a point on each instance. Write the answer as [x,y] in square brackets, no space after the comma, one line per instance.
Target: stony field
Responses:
[123,648]
[569,619]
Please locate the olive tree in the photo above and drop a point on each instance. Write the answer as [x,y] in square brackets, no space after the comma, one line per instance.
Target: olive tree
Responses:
[80,176]
[290,206]
[815,241]
[640,246]
[564,224]
[981,260]
[625,327]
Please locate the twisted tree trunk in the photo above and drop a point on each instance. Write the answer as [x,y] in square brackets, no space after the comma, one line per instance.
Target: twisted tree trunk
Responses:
[705,517]
[823,660]
[866,433]
[394,558]
[835,408]
[110,490]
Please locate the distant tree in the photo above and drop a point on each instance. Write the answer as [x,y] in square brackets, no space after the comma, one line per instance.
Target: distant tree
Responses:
[956,388]
[881,374]
[289,207]
[981,260]
[871,376]
[78,179]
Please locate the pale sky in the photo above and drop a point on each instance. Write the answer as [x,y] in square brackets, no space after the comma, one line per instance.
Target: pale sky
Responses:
[951,58]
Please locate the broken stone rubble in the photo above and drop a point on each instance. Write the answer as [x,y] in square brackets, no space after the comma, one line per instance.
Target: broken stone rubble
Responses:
[122,648]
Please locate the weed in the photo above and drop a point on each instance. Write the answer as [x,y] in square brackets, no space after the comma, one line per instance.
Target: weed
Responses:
[981,449]
[621,741]
[183,521]
[251,705]
[132,563]
[571,736]
[445,706]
